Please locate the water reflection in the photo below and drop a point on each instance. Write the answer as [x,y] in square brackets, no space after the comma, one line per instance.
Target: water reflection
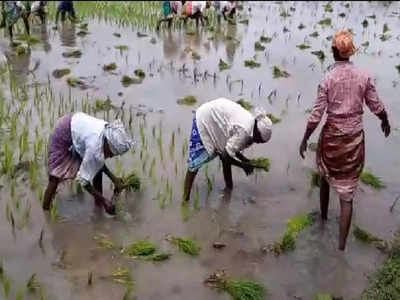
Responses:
[67,34]
[232,44]
[170,45]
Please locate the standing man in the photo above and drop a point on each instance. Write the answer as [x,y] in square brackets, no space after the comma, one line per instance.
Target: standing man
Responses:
[341,147]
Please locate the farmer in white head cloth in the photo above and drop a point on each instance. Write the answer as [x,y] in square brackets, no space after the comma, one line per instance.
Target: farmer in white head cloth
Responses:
[223,128]
[78,148]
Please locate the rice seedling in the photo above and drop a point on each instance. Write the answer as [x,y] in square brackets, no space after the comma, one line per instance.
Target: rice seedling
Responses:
[187,100]
[251,64]
[103,105]
[328,7]
[33,285]
[6,285]
[158,257]
[126,80]
[273,119]
[33,173]
[278,73]
[237,289]
[23,143]
[140,73]
[325,22]
[320,54]
[262,163]
[7,162]
[140,248]
[110,67]
[103,241]
[315,34]
[58,73]
[265,39]
[258,46]
[185,245]
[208,180]
[370,179]
[303,46]
[121,47]
[122,276]
[196,201]
[223,65]
[132,182]
[72,53]
[245,104]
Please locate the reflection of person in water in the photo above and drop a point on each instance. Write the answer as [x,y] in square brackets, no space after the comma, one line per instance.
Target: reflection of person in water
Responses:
[170,46]
[231,45]
[67,35]
[18,65]
[12,11]
[44,36]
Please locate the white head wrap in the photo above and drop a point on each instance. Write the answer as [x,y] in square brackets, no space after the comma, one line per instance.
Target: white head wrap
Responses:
[264,124]
[117,138]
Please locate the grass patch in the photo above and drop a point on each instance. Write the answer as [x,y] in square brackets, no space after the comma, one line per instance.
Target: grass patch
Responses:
[187,100]
[278,73]
[258,46]
[58,73]
[265,39]
[251,64]
[262,163]
[110,67]
[73,53]
[186,245]
[370,179]
[237,289]
[303,46]
[141,248]
[288,240]
[245,104]
[223,65]
[273,119]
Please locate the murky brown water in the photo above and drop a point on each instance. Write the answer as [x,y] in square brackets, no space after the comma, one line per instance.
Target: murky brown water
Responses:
[259,207]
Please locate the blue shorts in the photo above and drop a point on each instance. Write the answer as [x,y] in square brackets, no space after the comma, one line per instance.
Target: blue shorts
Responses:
[198,155]
[66,6]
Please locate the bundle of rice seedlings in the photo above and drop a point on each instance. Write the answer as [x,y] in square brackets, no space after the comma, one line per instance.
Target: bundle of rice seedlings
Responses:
[251,64]
[368,238]
[33,285]
[110,67]
[132,182]
[103,241]
[157,257]
[58,73]
[126,80]
[278,73]
[258,46]
[237,289]
[325,22]
[188,100]
[141,248]
[261,163]
[123,276]
[370,179]
[245,104]
[186,245]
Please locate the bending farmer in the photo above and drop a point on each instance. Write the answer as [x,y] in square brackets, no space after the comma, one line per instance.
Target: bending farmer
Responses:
[78,148]
[341,153]
[223,128]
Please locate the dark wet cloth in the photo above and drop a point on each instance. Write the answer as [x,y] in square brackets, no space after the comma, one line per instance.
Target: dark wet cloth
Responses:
[64,162]
[340,159]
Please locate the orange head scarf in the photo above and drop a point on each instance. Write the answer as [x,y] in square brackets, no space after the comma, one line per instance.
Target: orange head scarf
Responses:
[343,41]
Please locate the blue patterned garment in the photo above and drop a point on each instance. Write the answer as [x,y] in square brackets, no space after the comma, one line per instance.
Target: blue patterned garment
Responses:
[198,155]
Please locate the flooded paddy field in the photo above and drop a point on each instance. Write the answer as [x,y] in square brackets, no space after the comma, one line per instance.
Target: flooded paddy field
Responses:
[75,250]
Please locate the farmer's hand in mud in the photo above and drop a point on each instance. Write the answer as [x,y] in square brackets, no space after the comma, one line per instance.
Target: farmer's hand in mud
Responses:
[385,127]
[303,148]
[248,169]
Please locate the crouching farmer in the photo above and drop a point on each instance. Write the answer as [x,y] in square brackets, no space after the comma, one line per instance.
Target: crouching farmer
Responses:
[78,148]
[223,128]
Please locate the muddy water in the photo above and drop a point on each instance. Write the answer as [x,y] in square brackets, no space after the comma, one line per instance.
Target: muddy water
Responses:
[256,212]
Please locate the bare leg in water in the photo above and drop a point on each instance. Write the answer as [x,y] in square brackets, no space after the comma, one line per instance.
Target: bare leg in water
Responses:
[189,179]
[324,199]
[346,212]
[50,192]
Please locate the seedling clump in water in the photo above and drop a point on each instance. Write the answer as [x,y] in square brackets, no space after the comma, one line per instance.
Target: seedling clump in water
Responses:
[110,67]
[141,248]
[265,39]
[103,105]
[157,257]
[58,73]
[185,245]
[188,100]
[132,182]
[126,80]
[237,289]
[273,119]
[325,22]
[370,179]
[278,73]
[368,238]
[73,53]
[303,46]
[262,163]
[223,65]
[258,46]
[140,73]
[251,64]
[103,241]
[245,104]
[121,47]
[320,54]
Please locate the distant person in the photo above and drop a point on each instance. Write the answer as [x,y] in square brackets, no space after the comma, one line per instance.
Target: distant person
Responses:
[170,10]
[12,11]
[225,9]
[223,128]
[78,148]
[65,8]
[39,10]
[195,10]
[341,147]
